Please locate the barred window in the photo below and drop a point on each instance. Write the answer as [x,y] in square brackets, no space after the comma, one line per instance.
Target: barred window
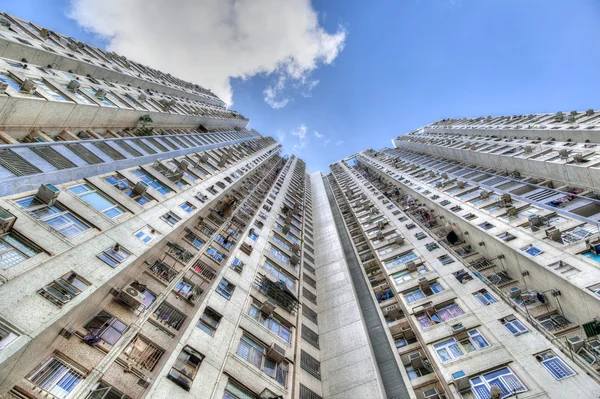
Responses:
[306,393]
[310,336]
[170,316]
[309,295]
[308,280]
[309,314]
[310,364]
[310,268]
[143,353]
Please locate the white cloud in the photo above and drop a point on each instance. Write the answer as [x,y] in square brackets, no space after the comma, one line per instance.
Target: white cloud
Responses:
[339,142]
[326,142]
[210,41]
[300,132]
[318,135]
[280,136]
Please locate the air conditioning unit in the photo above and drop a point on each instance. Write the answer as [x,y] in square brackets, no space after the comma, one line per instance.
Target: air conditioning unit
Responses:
[47,193]
[528,149]
[132,297]
[416,360]
[460,380]
[28,86]
[276,353]
[183,165]
[7,221]
[511,211]
[142,97]
[563,154]
[444,175]
[3,87]
[423,283]
[203,158]
[575,343]
[73,85]
[514,292]
[460,184]
[485,194]
[578,158]
[295,247]
[101,94]
[554,234]
[411,266]
[144,381]
[223,161]
[268,307]
[438,185]
[140,187]
[382,224]
[456,328]
[295,259]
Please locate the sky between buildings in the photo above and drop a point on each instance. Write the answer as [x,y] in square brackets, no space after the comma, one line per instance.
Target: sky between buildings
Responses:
[328,78]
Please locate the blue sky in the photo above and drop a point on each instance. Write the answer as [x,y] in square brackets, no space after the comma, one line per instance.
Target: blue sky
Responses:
[406,63]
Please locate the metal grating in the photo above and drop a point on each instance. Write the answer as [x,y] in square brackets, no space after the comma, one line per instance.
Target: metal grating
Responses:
[145,147]
[16,164]
[108,150]
[84,153]
[158,145]
[53,157]
[125,146]
[168,143]
[310,336]
[179,142]
[306,393]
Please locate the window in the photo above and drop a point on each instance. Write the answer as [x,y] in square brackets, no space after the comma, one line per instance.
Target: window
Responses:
[170,316]
[6,336]
[309,295]
[306,393]
[234,391]
[188,290]
[594,288]
[417,294]
[310,336]
[453,348]
[143,353]
[254,353]
[486,226]
[282,243]
[55,216]
[114,256]
[102,390]
[127,188]
[406,275]
[310,364]
[64,289]
[225,289]
[57,377]
[555,365]
[170,218]
[484,297]
[503,378]
[277,272]
[439,315]
[14,250]
[185,368]
[400,259]
[186,206]
[514,325]
[271,323]
[209,321]
[279,255]
[310,314]
[554,322]
[105,327]
[97,200]
[216,255]
[252,234]
[146,234]
[151,180]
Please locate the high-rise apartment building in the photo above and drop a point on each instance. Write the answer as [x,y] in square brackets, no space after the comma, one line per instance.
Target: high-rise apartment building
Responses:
[152,246]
